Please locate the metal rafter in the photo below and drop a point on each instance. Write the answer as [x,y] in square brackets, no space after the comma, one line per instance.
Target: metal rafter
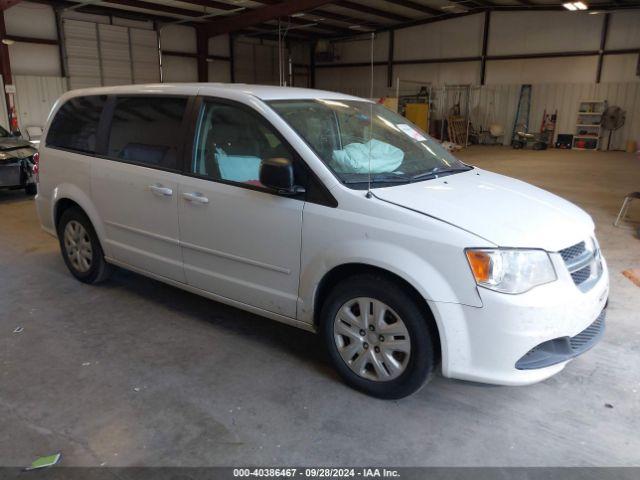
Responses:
[316,25]
[416,6]
[260,15]
[358,7]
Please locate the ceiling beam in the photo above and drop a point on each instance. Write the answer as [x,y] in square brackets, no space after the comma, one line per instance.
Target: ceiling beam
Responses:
[485,3]
[416,6]
[213,4]
[338,17]
[370,10]
[261,32]
[260,15]
[157,8]
[313,24]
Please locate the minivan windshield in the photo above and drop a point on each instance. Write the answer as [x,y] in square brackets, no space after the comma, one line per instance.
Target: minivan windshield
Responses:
[360,139]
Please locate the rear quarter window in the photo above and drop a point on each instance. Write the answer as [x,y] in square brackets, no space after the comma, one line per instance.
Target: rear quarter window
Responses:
[75,125]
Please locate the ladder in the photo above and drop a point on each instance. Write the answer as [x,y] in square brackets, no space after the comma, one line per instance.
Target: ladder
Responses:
[521,123]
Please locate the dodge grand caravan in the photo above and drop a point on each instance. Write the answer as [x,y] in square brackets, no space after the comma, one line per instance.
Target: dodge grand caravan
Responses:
[330,213]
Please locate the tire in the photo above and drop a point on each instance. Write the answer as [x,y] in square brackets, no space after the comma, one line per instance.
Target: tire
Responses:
[377,379]
[30,189]
[89,267]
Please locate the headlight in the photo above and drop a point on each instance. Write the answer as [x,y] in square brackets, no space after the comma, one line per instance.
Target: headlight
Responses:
[510,270]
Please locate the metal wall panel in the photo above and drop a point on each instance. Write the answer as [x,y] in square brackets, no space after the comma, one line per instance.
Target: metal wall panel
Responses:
[257,63]
[535,32]
[458,37]
[35,97]
[219,71]
[144,53]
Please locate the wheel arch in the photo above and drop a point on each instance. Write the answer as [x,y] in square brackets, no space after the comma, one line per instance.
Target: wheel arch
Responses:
[346,270]
[68,196]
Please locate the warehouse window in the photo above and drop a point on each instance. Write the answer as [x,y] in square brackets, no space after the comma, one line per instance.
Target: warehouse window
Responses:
[75,125]
[147,130]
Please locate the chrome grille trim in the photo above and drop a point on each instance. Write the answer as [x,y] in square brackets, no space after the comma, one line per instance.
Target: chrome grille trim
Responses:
[580,262]
[568,254]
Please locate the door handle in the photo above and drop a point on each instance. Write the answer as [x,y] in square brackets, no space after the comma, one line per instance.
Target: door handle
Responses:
[161,190]
[195,197]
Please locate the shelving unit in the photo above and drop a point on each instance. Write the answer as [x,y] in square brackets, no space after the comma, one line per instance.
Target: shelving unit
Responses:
[588,132]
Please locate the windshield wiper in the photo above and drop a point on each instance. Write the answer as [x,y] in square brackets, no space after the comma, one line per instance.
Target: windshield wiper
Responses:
[435,172]
[380,179]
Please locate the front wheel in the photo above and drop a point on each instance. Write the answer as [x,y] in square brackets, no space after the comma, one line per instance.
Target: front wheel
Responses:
[379,338]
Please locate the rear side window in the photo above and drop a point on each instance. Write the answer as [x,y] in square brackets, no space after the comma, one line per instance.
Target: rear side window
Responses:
[75,126]
[147,130]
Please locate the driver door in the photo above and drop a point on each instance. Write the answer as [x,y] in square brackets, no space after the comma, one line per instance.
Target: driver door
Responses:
[239,240]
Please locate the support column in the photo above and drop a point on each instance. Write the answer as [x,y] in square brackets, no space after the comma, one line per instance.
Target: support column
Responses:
[232,63]
[202,50]
[485,45]
[312,64]
[5,70]
[390,59]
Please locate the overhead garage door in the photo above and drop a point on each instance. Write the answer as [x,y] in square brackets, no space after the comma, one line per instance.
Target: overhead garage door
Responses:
[82,55]
[100,54]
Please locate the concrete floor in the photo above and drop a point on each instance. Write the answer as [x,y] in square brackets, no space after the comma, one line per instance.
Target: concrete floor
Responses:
[134,372]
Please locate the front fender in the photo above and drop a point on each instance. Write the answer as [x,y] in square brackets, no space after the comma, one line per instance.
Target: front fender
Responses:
[413,268]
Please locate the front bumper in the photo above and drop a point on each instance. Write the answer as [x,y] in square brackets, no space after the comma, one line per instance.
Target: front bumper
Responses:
[484,344]
[15,172]
[562,349]
[11,174]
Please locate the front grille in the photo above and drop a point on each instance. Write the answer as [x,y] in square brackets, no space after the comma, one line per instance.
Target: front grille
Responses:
[580,276]
[587,336]
[571,253]
[580,262]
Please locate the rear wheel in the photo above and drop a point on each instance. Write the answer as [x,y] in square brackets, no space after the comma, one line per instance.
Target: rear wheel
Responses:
[378,337]
[80,247]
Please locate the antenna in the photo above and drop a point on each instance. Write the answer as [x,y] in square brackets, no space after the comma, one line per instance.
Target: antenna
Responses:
[369,194]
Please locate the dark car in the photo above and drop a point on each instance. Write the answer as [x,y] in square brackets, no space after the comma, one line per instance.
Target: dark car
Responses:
[16,163]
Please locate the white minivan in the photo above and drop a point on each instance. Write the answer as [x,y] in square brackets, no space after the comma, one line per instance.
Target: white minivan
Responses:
[330,213]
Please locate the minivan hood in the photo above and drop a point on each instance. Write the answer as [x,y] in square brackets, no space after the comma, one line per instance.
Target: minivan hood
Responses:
[503,210]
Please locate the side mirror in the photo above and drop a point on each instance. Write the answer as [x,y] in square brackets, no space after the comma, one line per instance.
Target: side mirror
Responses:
[277,173]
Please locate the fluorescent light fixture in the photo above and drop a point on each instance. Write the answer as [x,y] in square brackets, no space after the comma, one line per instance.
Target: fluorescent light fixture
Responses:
[298,14]
[8,41]
[573,6]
